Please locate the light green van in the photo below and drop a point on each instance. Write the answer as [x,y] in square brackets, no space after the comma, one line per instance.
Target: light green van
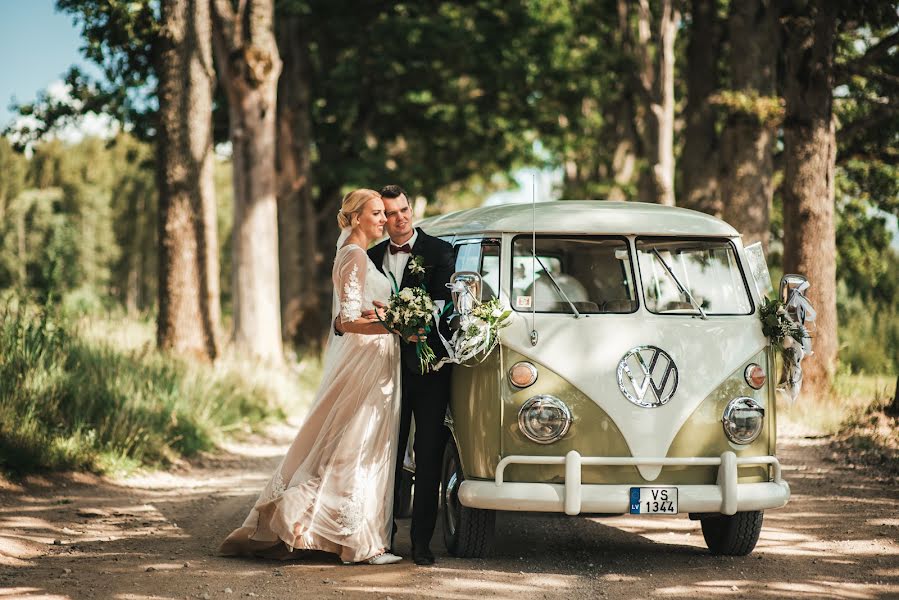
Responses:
[634,377]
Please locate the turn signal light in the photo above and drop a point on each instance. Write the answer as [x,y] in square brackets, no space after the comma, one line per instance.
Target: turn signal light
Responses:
[755,376]
[522,374]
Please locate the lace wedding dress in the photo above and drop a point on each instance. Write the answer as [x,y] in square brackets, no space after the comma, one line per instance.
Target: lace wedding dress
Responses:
[333,491]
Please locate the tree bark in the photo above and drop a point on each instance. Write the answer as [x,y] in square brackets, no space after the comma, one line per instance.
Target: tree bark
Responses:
[809,163]
[699,160]
[656,82]
[299,251]
[248,59]
[747,142]
[189,310]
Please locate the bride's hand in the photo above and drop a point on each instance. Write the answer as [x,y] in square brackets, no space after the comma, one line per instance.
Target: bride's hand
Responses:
[377,314]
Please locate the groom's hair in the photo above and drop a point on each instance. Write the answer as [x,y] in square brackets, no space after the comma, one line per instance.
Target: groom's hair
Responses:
[393,191]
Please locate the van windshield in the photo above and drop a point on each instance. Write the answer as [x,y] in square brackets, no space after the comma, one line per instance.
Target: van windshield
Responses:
[707,270]
[594,273]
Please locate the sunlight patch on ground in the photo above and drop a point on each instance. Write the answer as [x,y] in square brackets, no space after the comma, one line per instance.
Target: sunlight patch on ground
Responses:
[30,593]
[796,589]
[452,584]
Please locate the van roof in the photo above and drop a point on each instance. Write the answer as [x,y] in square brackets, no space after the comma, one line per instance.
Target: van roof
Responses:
[579,216]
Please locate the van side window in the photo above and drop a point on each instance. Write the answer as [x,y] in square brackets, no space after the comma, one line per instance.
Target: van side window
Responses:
[482,258]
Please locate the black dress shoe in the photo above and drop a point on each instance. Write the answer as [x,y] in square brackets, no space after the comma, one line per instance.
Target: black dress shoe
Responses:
[423,556]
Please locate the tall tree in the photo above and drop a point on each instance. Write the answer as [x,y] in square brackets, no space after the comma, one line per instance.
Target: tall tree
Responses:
[698,163]
[248,60]
[300,257]
[747,142]
[188,259]
[809,157]
[653,51]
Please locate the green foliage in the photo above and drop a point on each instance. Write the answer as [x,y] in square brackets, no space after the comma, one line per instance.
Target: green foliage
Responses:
[777,326]
[68,402]
[868,334]
[85,217]
[768,110]
[422,93]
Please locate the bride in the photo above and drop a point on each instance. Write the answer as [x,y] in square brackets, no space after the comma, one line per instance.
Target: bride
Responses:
[333,490]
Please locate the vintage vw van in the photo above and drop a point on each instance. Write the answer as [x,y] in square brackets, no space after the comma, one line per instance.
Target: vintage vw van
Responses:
[634,377]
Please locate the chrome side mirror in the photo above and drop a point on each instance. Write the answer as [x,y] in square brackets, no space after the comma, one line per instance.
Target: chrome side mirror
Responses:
[465,288]
[788,283]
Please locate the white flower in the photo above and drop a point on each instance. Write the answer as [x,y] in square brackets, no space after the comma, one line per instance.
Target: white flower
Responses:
[497,313]
[407,294]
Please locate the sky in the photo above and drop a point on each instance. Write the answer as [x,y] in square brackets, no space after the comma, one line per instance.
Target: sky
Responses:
[38,45]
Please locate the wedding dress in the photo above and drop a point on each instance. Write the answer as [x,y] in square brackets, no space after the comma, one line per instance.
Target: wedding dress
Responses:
[333,491]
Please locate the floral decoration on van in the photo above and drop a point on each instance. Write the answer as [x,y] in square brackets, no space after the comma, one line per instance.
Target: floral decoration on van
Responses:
[778,326]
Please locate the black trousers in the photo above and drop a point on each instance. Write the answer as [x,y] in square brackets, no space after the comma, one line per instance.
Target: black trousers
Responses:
[426,397]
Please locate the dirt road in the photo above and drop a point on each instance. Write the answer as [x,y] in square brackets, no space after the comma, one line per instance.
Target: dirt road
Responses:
[154,537]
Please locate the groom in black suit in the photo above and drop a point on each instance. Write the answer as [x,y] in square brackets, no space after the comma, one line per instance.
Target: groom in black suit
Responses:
[425,396]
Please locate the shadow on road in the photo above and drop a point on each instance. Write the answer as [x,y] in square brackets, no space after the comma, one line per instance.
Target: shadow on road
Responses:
[155,537]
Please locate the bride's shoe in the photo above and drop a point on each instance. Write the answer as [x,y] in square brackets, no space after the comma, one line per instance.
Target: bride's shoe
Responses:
[385,558]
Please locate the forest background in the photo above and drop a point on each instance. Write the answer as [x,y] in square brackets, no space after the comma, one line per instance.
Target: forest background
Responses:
[171,282]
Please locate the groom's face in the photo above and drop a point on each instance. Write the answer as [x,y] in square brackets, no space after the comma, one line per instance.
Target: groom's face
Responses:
[399,218]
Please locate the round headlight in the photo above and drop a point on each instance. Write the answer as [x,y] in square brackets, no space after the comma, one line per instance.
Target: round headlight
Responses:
[522,374]
[743,419]
[755,376]
[544,419]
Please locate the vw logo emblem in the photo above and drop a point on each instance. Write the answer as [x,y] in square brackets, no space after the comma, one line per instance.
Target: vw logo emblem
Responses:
[647,376]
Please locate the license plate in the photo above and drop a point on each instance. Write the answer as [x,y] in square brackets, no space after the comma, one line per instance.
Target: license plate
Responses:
[653,500]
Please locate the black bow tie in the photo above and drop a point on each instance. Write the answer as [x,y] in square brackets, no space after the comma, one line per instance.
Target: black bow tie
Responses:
[404,248]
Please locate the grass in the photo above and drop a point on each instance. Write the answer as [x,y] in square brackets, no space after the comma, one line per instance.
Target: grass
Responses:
[92,393]
[855,418]
[853,396]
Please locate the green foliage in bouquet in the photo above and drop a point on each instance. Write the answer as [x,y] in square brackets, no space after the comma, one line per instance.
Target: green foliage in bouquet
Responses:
[777,325]
[410,312]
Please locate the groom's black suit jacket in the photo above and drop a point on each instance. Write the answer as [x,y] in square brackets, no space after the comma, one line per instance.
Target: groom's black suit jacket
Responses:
[439,265]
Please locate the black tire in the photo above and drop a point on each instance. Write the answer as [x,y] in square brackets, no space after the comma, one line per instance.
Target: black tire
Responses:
[402,506]
[467,532]
[732,535]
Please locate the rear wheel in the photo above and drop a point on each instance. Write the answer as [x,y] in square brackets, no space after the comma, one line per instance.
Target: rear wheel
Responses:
[732,535]
[467,532]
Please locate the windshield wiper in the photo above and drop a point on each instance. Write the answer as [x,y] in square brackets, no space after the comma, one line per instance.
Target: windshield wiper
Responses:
[555,283]
[680,286]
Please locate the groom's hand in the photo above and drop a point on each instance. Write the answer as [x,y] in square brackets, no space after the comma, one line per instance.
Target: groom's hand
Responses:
[338,329]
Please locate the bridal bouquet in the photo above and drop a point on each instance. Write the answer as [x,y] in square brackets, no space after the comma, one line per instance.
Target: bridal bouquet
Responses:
[410,312]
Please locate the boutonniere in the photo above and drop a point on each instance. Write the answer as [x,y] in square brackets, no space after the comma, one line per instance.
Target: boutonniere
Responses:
[417,265]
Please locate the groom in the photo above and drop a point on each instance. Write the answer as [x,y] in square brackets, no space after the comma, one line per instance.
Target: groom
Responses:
[424,396]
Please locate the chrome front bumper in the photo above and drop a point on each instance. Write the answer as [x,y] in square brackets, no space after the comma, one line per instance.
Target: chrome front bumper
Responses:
[726,496]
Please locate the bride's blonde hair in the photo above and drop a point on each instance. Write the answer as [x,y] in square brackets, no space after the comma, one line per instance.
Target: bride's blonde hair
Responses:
[352,204]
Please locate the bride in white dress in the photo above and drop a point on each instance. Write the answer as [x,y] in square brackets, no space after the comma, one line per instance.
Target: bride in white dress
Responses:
[333,490]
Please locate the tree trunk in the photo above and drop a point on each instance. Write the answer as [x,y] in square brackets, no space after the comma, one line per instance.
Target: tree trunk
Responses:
[699,160]
[189,310]
[297,230]
[809,163]
[747,163]
[656,80]
[248,59]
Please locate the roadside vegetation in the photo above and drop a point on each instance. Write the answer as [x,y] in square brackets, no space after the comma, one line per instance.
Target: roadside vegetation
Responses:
[85,392]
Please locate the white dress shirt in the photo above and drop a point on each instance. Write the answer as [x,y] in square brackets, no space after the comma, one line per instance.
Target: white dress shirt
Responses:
[396,263]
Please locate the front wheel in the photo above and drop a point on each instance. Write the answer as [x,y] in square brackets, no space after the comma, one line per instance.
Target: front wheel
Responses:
[732,535]
[467,532]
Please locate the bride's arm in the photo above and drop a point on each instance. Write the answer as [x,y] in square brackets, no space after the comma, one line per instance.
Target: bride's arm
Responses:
[350,287]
